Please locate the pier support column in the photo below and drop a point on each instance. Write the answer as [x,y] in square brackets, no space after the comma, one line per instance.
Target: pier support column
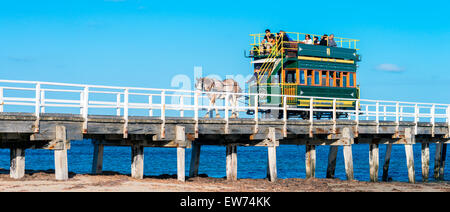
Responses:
[374,162]
[231,162]
[61,165]
[195,160]
[17,163]
[272,144]
[332,161]
[410,140]
[387,159]
[347,136]
[310,161]
[272,163]
[97,161]
[137,161]
[439,160]
[180,137]
[443,156]
[425,161]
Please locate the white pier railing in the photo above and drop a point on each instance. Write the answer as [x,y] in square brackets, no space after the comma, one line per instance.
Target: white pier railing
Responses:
[47,97]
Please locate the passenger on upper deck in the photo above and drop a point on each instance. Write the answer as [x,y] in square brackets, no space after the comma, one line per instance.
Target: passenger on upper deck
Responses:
[316,40]
[331,41]
[307,40]
[285,37]
[324,40]
[268,42]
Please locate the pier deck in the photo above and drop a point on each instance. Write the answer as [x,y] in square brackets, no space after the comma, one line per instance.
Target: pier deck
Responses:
[18,132]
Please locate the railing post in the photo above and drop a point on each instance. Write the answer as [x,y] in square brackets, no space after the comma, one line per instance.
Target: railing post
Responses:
[416,117]
[163,114]
[285,116]
[182,106]
[367,112]
[118,104]
[401,113]
[1,100]
[125,112]
[311,116]
[196,94]
[37,108]
[357,117]
[433,119]
[42,101]
[150,103]
[377,119]
[255,130]
[226,113]
[85,103]
[397,118]
[334,116]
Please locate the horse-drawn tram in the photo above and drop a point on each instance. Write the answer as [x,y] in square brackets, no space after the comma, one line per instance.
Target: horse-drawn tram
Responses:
[288,65]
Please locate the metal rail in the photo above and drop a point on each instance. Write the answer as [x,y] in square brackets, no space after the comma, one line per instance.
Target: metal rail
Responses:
[37,97]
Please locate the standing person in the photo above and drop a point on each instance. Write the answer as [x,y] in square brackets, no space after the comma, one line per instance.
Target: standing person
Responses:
[331,41]
[324,40]
[268,42]
[307,40]
[316,40]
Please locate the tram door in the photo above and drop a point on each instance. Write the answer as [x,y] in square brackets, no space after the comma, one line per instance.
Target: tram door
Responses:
[289,85]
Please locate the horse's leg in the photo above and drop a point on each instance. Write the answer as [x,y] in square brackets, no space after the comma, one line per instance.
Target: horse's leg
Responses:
[209,108]
[217,110]
[235,105]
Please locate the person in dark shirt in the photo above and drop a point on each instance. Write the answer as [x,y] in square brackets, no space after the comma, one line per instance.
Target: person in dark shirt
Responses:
[268,42]
[324,40]
[316,40]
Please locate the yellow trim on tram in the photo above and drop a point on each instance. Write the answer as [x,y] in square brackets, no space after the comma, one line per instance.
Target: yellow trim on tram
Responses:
[326,60]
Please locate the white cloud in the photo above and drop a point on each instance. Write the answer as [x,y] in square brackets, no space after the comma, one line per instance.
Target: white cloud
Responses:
[389,67]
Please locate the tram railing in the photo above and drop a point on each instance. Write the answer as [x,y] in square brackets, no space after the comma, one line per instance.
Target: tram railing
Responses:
[46,97]
[298,37]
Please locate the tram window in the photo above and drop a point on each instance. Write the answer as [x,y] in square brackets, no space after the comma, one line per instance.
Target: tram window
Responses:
[324,78]
[290,77]
[316,78]
[345,79]
[352,80]
[309,77]
[338,79]
[331,79]
[302,77]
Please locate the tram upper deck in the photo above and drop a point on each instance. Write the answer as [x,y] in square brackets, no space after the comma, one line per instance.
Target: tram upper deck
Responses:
[345,49]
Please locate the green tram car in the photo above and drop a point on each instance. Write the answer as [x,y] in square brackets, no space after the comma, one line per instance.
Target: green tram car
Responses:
[298,69]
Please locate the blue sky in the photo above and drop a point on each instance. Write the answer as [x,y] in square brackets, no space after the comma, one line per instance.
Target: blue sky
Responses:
[404,44]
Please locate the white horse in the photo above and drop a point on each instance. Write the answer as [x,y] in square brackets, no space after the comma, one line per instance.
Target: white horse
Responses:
[225,86]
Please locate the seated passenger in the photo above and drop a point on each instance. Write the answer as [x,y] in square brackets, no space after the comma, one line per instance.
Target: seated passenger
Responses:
[331,41]
[307,40]
[316,40]
[282,36]
[285,36]
[324,40]
[268,42]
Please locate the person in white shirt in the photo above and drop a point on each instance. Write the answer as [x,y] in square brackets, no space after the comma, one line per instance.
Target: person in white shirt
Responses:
[308,40]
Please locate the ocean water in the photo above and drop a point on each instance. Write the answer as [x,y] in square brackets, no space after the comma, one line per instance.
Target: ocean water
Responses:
[251,161]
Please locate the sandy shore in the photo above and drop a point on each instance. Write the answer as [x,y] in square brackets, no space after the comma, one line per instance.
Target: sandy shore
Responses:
[44,181]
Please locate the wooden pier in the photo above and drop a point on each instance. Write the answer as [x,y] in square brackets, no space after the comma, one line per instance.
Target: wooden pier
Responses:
[20,131]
